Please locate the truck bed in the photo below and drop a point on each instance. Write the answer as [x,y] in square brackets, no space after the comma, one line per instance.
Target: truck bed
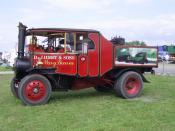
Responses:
[136,56]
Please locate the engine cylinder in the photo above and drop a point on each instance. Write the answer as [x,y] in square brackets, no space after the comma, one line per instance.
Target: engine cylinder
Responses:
[22,64]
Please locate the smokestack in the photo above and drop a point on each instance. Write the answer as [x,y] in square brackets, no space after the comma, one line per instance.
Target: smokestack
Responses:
[21,40]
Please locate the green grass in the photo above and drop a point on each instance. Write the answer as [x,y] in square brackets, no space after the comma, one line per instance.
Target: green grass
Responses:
[5,68]
[88,110]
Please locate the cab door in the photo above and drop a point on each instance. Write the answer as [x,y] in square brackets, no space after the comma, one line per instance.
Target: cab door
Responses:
[88,61]
[93,55]
[82,65]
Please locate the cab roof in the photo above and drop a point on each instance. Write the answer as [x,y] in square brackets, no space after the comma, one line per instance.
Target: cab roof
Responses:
[47,31]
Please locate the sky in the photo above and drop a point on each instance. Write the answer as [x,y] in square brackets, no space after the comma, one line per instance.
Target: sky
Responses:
[152,21]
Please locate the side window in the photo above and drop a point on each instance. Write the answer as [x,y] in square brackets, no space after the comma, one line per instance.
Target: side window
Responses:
[83,38]
[91,44]
[70,42]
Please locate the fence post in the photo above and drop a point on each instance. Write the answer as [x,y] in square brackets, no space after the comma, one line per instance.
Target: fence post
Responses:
[163,67]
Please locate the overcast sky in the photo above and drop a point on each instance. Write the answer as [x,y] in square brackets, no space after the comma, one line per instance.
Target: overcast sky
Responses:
[152,21]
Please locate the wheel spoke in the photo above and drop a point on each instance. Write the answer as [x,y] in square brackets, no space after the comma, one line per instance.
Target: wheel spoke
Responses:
[35,90]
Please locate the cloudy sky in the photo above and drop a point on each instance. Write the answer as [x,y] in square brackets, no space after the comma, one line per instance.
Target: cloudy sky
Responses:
[152,21]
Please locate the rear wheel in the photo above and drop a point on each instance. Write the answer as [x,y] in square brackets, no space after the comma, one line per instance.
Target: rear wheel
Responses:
[129,85]
[14,88]
[34,90]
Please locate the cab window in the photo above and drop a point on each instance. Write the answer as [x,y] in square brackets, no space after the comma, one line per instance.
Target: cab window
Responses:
[80,39]
[60,42]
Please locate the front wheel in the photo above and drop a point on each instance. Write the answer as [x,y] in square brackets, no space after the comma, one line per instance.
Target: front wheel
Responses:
[129,85]
[34,90]
[14,88]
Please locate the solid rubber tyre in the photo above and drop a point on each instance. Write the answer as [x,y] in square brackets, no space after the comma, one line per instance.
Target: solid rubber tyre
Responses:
[129,85]
[14,89]
[34,90]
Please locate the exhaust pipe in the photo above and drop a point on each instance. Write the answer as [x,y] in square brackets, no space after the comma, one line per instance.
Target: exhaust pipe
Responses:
[21,64]
[21,40]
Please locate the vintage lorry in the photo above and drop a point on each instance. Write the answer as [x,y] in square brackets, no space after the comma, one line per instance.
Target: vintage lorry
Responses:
[171,52]
[59,59]
[166,53]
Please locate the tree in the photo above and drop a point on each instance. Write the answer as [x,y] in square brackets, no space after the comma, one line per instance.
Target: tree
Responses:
[136,43]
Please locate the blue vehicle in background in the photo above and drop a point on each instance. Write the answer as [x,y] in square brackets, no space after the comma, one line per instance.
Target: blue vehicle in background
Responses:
[166,53]
[163,54]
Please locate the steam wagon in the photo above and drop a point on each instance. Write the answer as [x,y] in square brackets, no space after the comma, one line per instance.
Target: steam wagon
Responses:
[59,59]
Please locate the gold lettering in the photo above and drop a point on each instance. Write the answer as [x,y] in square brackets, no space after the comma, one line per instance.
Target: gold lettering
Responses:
[47,62]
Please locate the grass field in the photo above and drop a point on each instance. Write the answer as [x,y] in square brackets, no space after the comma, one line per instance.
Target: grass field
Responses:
[88,110]
[5,68]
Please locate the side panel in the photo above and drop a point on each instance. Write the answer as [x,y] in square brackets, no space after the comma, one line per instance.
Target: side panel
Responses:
[82,65]
[135,56]
[64,63]
[106,55]
[93,56]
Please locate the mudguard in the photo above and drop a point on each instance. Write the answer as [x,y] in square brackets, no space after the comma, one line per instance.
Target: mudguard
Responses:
[131,69]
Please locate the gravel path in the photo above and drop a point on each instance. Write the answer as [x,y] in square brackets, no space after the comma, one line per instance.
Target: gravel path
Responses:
[6,72]
[165,69]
